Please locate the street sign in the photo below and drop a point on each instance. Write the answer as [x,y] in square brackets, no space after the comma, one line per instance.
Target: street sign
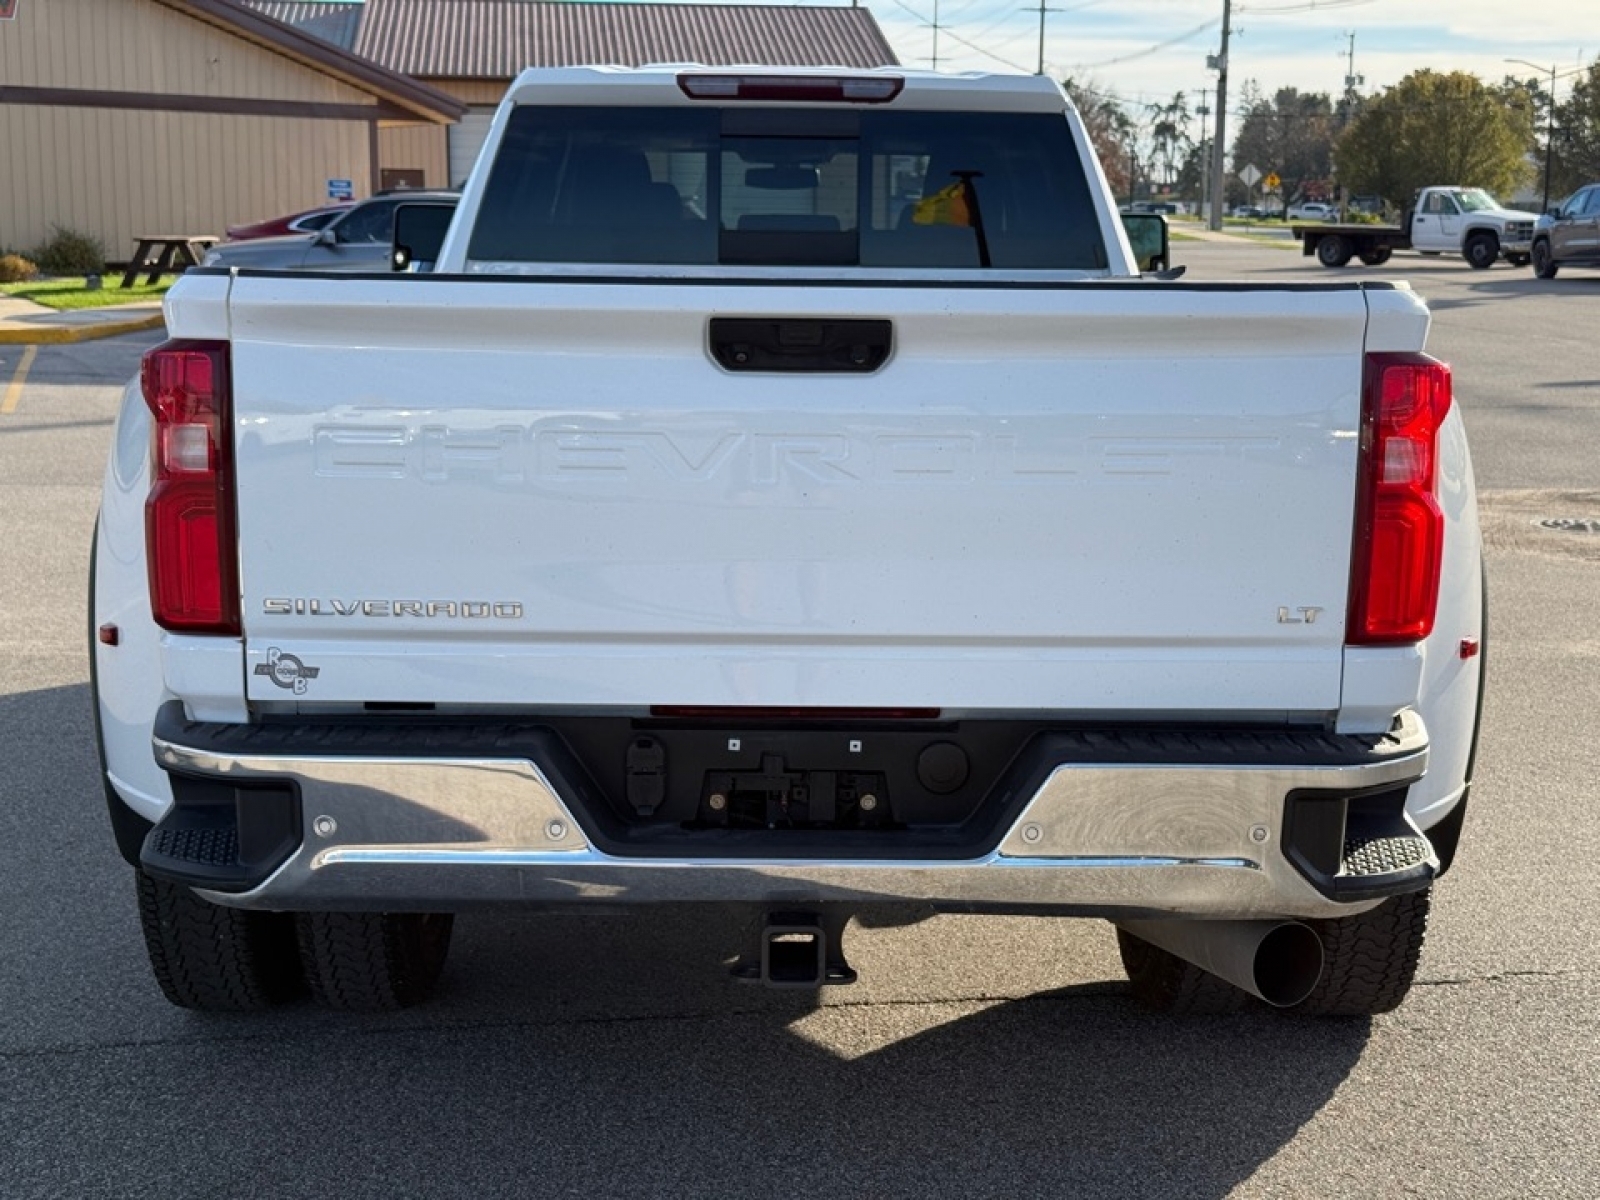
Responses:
[8,9]
[1251,174]
[341,189]
[1272,181]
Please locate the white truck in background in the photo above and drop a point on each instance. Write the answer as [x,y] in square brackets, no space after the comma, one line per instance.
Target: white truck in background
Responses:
[787,491]
[1441,220]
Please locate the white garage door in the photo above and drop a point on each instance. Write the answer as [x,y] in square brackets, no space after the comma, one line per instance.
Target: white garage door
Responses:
[466,139]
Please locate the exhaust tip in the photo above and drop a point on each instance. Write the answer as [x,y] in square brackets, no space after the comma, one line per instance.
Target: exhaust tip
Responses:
[1288,964]
[1280,962]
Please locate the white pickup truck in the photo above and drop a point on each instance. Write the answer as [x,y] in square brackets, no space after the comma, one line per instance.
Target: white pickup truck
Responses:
[1441,220]
[787,492]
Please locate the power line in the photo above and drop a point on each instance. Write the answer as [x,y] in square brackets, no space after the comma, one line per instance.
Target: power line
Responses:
[955,37]
[1309,6]
[1159,46]
[1015,66]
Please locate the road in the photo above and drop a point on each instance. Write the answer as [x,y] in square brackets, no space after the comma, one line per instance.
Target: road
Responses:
[977,1057]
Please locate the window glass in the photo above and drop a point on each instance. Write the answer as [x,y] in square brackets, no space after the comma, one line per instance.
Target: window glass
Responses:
[975,190]
[367,223]
[602,185]
[757,186]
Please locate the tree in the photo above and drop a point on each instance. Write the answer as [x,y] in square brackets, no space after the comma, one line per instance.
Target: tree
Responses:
[1433,128]
[1190,182]
[1290,135]
[1169,137]
[1575,160]
[1110,129]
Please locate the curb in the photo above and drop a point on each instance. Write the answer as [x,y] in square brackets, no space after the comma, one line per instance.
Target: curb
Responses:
[57,335]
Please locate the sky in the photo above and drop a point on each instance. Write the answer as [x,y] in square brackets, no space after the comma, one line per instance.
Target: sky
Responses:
[1144,51]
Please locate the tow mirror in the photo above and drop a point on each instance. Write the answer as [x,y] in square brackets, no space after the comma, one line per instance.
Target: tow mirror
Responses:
[419,231]
[1147,234]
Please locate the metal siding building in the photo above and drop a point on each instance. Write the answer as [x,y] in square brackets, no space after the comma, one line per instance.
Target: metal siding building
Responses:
[128,117]
[473,49]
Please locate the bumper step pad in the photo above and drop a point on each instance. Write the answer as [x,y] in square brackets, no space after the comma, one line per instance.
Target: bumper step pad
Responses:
[227,839]
[1353,848]
[1378,855]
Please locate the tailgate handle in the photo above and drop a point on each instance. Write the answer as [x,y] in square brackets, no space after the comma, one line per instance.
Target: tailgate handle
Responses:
[800,344]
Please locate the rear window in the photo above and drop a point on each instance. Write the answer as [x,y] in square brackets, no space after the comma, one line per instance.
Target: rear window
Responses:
[788,187]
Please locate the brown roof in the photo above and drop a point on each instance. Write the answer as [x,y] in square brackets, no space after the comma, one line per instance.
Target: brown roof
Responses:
[495,39]
[405,97]
[333,21]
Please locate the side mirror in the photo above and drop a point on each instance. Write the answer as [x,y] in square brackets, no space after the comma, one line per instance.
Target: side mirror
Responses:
[1553,211]
[1147,234]
[325,237]
[419,231]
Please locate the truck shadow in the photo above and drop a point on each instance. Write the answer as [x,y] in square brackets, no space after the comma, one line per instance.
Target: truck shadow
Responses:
[583,1055]
[1493,288]
[1497,283]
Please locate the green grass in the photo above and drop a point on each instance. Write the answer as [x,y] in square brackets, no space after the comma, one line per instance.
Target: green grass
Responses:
[1266,239]
[70,292]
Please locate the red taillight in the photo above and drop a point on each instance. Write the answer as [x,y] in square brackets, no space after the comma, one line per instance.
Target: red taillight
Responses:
[1399,542]
[189,517]
[812,89]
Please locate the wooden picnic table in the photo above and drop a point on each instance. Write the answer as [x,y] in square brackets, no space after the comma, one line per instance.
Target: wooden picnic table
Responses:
[166,254]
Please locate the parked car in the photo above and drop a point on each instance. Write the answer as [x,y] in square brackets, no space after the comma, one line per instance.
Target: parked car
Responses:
[356,240]
[306,221]
[1249,211]
[1313,210]
[1568,235]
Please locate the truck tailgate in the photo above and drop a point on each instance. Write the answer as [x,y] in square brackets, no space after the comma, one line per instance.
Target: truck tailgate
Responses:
[526,492]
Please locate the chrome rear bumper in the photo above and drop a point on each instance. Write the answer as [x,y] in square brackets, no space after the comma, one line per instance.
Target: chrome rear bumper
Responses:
[1096,839]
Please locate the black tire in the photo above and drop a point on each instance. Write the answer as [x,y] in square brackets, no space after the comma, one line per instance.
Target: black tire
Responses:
[1162,982]
[372,962]
[1519,260]
[215,959]
[1369,961]
[1377,256]
[1334,250]
[1544,262]
[1481,251]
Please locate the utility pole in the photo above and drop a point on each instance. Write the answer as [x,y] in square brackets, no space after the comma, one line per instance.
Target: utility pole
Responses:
[1202,111]
[1220,63]
[1042,11]
[935,35]
[1351,82]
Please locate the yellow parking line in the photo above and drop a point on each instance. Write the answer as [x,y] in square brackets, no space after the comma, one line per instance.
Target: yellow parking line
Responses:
[14,388]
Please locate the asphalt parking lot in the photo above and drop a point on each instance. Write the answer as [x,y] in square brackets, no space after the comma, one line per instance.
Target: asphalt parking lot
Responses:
[977,1057]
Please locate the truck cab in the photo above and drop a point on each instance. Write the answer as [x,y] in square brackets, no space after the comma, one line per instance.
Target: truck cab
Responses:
[1472,223]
